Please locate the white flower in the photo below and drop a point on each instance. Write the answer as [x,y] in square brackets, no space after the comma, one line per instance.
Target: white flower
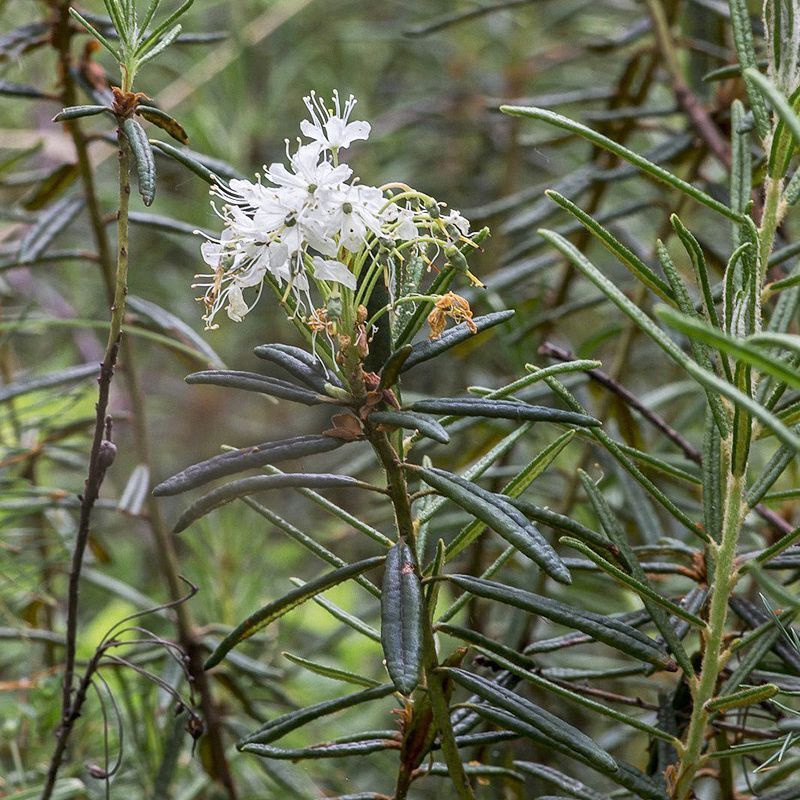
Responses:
[237,308]
[330,128]
[309,173]
[331,270]
[458,221]
[405,227]
[352,212]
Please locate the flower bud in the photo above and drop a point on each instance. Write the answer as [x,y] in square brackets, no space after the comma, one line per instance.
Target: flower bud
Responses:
[455,259]
[334,307]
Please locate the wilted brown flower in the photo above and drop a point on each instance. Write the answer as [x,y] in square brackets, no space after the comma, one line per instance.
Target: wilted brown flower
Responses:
[449,305]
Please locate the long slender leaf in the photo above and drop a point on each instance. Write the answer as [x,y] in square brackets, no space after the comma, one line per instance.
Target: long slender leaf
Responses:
[402,610]
[551,726]
[499,515]
[245,458]
[282,725]
[603,628]
[659,173]
[261,483]
[502,409]
[706,379]
[272,611]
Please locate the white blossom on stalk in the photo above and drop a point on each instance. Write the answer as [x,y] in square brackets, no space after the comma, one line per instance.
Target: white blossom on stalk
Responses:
[308,223]
[331,128]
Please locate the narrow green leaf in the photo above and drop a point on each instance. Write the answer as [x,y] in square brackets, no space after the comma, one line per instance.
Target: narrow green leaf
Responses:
[10,89]
[424,351]
[390,372]
[631,778]
[740,349]
[49,380]
[573,786]
[776,100]
[176,328]
[143,158]
[310,544]
[742,698]
[512,489]
[261,483]
[245,458]
[147,43]
[94,32]
[560,522]
[211,170]
[411,421]
[286,723]
[659,173]
[327,671]
[706,379]
[642,589]
[402,610]
[602,628]
[320,751]
[48,225]
[502,409]
[338,512]
[76,112]
[627,257]
[255,382]
[501,516]
[343,616]
[164,121]
[741,185]
[51,187]
[743,39]
[550,726]
[713,472]
[699,350]
[298,363]
[619,453]
[536,678]
[272,611]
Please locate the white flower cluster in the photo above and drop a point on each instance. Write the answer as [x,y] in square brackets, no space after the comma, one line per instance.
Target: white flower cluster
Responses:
[312,220]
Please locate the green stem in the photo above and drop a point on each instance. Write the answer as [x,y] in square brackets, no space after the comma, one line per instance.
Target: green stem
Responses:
[398,491]
[714,655]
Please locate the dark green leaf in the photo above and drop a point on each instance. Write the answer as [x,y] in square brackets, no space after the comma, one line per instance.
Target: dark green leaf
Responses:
[424,351]
[254,382]
[411,421]
[77,112]
[245,458]
[602,628]
[575,788]
[295,719]
[51,187]
[322,751]
[164,121]
[550,726]
[68,375]
[298,363]
[209,169]
[167,322]
[501,516]
[21,90]
[502,409]
[402,610]
[272,611]
[143,158]
[48,225]
[261,483]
